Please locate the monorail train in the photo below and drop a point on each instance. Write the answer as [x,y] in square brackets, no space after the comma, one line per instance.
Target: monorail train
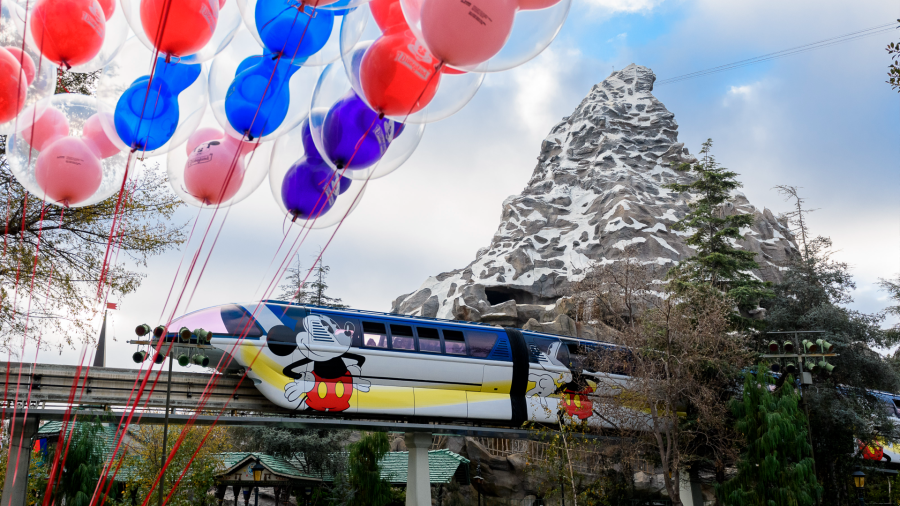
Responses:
[358,363]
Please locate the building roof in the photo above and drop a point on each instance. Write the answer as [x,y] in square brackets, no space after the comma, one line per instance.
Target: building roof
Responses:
[442,466]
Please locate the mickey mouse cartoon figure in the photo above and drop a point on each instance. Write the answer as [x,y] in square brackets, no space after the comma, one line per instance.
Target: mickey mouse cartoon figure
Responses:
[323,380]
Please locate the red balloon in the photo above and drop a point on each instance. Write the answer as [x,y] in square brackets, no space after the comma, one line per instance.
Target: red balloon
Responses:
[48,128]
[451,71]
[109,8]
[388,15]
[187,28]
[68,171]
[533,5]
[398,75]
[25,61]
[12,87]
[68,32]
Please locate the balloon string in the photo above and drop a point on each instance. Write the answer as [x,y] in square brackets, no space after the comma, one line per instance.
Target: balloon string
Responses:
[112,229]
[195,258]
[207,391]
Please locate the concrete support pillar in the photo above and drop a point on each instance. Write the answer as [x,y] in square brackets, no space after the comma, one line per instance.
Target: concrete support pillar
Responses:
[15,487]
[689,492]
[418,480]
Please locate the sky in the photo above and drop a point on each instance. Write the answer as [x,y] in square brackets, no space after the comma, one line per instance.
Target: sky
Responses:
[824,121]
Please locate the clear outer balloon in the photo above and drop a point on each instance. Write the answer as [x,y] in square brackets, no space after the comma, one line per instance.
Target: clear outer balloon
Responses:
[62,156]
[332,89]
[319,196]
[455,91]
[305,40]
[100,50]
[198,172]
[25,77]
[254,110]
[449,32]
[134,62]
[227,22]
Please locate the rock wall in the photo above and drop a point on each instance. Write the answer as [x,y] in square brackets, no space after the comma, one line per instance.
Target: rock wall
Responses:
[598,188]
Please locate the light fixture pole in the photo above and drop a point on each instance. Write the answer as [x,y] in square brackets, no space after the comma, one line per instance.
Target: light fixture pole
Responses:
[257,469]
[859,481]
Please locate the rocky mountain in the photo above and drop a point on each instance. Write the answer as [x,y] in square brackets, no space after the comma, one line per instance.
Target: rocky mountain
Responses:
[598,188]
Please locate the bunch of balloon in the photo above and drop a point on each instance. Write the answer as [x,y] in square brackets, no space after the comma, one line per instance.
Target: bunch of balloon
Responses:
[215,169]
[485,35]
[78,35]
[188,31]
[400,79]
[25,76]
[153,109]
[299,33]
[65,156]
[353,138]
[258,96]
[307,189]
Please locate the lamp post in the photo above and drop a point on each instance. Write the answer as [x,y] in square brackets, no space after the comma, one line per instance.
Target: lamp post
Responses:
[308,493]
[257,469]
[859,481]
[478,480]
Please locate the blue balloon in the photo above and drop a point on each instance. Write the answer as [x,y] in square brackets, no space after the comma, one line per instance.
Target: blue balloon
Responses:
[247,110]
[287,31]
[310,188]
[147,113]
[354,136]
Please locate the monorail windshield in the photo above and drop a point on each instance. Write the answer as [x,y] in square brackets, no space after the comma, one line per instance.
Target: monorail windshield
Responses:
[229,320]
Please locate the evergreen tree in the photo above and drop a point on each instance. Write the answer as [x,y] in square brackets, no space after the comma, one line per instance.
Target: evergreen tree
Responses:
[315,288]
[813,295]
[365,470]
[776,468]
[717,263]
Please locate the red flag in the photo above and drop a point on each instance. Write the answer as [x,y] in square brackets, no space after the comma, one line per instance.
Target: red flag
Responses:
[112,305]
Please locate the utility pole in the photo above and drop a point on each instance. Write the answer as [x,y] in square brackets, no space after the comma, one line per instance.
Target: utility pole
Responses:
[162,463]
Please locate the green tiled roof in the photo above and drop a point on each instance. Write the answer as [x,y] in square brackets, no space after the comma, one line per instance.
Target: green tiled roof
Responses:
[107,433]
[442,465]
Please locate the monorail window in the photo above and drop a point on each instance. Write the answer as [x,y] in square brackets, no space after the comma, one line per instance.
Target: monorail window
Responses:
[402,337]
[374,335]
[454,342]
[429,339]
[481,343]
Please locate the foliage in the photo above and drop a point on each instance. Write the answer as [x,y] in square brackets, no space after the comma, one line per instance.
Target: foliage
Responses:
[813,295]
[73,244]
[83,464]
[365,470]
[776,467]
[320,448]
[297,289]
[893,50]
[682,358]
[712,227]
[143,462]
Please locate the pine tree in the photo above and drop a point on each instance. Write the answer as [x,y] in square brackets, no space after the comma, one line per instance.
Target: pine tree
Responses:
[315,288]
[365,470]
[717,263]
[776,467]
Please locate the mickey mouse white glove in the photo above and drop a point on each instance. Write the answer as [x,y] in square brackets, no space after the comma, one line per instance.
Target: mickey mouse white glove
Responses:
[358,383]
[300,386]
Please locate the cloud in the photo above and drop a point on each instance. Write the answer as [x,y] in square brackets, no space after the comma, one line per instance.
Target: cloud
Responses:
[614,6]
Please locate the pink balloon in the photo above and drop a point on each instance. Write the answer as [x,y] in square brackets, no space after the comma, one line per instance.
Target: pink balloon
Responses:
[68,171]
[215,169]
[533,5]
[97,139]
[50,126]
[200,136]
[26,62]
[467,32]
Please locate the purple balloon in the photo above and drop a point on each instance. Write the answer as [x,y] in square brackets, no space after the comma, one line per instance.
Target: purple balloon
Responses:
[353,135]
[308,145]
[310,188]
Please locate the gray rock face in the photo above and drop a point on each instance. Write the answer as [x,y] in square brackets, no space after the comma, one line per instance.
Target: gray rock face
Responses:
[598,189]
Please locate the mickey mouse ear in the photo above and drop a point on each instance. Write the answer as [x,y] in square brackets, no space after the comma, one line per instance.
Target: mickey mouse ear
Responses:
[281,340]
